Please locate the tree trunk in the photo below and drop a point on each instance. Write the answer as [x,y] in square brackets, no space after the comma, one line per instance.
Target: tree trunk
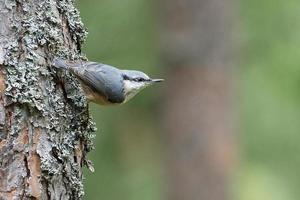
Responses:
[198,98]
[45,130]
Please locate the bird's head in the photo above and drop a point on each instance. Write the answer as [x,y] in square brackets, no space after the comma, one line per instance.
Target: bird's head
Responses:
[135,81]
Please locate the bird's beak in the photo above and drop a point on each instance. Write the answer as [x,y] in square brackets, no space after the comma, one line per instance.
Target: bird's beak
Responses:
[157,80]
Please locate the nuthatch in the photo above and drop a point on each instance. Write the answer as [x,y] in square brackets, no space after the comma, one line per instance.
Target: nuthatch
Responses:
[104,84]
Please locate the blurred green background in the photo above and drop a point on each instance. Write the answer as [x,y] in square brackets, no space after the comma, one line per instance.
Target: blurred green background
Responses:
[129,158]
[128,155]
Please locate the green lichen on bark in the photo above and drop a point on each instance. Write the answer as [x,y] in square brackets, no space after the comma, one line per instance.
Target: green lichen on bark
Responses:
[37,102]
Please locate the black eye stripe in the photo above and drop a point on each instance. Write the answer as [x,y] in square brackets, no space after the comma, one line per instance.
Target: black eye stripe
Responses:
[140,79]
[126,77]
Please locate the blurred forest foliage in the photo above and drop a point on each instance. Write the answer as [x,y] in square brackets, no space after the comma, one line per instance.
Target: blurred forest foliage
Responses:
[129,154]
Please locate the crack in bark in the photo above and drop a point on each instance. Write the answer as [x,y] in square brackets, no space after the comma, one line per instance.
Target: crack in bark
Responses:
[26,166]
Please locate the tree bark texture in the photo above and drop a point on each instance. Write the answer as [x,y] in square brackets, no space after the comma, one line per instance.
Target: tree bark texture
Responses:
[198,111]
[45,129]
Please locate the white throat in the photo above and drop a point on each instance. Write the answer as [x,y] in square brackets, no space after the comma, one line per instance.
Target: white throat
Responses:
[131,88]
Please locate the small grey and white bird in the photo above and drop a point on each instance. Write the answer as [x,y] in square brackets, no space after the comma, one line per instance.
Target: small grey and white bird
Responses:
[104,84]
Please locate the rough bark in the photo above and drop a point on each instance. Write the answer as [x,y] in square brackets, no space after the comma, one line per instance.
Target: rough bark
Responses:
[197,50]
[44,125]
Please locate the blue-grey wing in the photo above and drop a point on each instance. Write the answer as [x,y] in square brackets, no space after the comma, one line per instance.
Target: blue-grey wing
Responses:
[103,79]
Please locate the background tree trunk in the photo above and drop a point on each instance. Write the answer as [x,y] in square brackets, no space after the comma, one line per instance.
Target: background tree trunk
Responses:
[197,50]
[44,125]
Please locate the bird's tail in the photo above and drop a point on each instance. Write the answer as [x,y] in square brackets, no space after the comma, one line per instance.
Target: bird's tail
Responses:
[61,63]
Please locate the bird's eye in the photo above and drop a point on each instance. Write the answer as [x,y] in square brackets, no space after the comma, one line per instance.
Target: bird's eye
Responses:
[139,79]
